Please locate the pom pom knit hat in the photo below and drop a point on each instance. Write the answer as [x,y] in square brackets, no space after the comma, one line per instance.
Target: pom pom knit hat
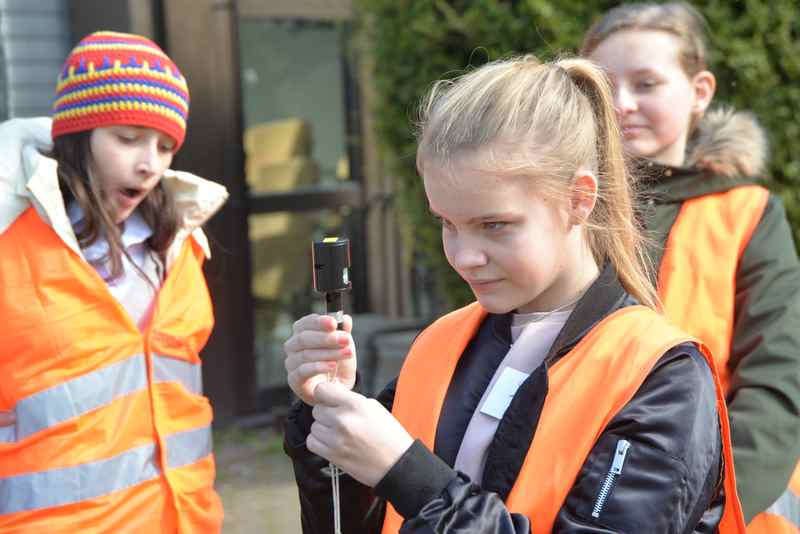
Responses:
[113,78]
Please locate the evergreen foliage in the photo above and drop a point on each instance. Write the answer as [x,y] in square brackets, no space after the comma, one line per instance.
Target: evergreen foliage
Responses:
[755,55]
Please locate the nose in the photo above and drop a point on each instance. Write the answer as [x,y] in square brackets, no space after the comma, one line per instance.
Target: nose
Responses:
[624,101]
[465,255]
[147,162]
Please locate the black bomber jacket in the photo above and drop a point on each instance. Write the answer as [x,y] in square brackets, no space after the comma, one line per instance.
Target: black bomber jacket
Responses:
[670,482]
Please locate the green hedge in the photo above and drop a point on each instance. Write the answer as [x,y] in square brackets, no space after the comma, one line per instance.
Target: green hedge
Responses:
[755,56]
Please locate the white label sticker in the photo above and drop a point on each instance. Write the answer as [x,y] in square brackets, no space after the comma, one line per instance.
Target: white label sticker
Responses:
[505,387]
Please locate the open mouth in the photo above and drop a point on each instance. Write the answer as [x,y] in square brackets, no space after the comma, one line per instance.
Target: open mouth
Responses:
[131,192]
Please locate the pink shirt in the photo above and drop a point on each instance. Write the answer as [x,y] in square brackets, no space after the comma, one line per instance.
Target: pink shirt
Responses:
[532,335]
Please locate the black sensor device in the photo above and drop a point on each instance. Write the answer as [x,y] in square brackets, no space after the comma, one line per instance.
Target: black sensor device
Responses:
[331,260]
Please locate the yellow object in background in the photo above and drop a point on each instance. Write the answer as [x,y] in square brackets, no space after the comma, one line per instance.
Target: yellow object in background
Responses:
[279,159]
[277,141]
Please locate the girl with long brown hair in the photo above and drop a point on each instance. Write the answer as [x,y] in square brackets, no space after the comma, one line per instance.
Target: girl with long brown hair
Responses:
[104,307]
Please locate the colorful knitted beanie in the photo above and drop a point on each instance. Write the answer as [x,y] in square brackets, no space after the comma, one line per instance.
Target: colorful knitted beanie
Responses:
[118,78]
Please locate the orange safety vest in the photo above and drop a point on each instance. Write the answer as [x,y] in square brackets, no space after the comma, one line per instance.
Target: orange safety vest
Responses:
[697,284]
[587,388]
[112,430]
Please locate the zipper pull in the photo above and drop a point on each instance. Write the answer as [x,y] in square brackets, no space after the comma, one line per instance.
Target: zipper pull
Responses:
[619,456]
[616,469]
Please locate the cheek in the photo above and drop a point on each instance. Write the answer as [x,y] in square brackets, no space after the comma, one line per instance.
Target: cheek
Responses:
[110,164]
[166,161]
[99,175]
[448,245]
[671,113]
[541,253]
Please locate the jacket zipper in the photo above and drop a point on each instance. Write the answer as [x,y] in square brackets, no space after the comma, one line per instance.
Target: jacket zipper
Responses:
[608,484]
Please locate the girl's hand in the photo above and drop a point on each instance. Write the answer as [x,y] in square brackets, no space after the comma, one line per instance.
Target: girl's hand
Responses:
[7,418]
[356,433]
[316,351]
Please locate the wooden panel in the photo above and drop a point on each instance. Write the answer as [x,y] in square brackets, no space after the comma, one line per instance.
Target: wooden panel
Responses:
[205,47]
[87,16]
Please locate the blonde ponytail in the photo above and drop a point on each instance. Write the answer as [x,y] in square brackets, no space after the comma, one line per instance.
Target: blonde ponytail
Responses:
[612,232]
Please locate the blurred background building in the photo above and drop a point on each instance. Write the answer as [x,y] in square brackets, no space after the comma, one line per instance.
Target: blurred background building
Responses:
[277,115]
[287,99]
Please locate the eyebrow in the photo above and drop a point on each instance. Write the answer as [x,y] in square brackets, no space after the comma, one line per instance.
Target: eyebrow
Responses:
[644,70]
[492,217]
[481,218]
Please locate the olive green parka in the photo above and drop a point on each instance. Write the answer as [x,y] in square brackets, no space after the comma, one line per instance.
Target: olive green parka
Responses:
[729,149]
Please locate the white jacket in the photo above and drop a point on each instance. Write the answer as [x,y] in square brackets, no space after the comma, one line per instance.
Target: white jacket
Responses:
[29,178]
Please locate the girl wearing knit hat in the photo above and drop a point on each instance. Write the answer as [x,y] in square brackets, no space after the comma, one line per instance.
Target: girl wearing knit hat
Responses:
[103,424]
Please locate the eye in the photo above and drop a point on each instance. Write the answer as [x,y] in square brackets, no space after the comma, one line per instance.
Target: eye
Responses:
[166,148]
[494,226]
[126,138]
[646,84]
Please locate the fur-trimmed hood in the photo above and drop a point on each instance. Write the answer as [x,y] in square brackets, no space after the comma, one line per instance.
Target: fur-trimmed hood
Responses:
[728,143]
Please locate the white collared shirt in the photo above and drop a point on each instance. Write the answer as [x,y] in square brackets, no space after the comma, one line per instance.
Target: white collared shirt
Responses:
[29,178]
[130,289]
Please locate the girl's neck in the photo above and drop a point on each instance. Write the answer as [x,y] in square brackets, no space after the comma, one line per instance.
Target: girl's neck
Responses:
[673,155]
[583,271]
[571,288]
[581,284]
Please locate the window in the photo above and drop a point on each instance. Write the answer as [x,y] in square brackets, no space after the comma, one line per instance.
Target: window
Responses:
[298,170]
[34,38]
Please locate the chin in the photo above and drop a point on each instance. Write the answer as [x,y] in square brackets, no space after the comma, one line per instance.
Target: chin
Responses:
[495,307]
[122,217]
[640,151]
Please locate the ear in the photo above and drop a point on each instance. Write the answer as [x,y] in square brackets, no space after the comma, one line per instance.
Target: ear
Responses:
[583,196]
[704,85]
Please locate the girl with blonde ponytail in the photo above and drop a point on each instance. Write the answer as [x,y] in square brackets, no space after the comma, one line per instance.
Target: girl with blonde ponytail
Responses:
[561,400]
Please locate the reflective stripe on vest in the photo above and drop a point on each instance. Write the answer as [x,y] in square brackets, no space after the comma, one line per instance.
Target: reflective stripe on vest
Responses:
[67,485]
[787,506]
[166,369]
[619,360]
[697,284]
[783,517]
[99,388]
[187,447]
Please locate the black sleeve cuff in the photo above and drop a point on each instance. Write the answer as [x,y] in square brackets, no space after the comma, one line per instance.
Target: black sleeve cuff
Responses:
[297,427]
[418,477]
